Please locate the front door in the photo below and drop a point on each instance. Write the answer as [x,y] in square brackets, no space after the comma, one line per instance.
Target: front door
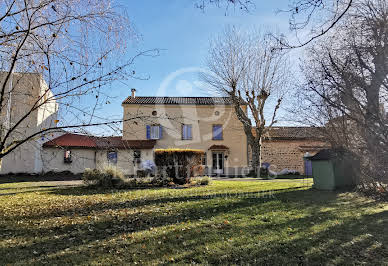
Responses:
[218,162]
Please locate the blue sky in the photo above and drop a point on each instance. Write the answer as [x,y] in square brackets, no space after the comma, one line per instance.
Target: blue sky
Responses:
[182,32]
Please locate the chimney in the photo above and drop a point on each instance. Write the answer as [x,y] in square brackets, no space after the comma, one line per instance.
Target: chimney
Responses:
[133,91]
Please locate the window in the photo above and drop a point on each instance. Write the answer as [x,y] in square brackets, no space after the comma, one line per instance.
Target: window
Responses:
[112,157]
[136,156]
[217,132]
[67,158]
[204,159]
[154,113]
[154,132]
[186,132]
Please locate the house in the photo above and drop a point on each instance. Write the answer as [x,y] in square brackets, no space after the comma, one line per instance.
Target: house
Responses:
[22,91]
[75,152]
[206,123]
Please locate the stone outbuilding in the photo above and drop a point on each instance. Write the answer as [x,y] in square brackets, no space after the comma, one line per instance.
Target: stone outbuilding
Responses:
[285,147]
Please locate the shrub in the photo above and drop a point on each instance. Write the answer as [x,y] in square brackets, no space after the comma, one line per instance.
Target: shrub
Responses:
[198,170]
[202,181]
[263,173]
[108,177]
[141,174]
[178,163]
[91,176]
[161,181]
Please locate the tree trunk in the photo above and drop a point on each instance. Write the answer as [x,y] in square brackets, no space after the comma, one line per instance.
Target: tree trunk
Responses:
[256,156]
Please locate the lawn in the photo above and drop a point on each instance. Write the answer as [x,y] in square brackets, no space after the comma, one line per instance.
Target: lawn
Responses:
[228,222]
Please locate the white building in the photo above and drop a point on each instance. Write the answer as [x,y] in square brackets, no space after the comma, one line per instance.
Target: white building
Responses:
[22,91]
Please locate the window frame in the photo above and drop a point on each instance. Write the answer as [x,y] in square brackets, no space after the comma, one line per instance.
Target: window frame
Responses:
[110,161]
[204,159]
[67,159]
[221,133]
[186,136]
[153,132]
[136,156]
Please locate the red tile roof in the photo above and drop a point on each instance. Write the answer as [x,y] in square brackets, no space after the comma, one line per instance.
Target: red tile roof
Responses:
[84,141]
[179,100]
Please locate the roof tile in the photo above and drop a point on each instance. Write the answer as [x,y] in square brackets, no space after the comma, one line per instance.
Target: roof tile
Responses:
[179,100]
[293,133]
[84,141]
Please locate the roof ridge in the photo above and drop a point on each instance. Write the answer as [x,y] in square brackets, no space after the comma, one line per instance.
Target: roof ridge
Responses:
[183,96]
[183,100]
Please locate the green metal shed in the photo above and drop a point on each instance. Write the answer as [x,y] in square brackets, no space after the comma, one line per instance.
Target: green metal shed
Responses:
[334,169]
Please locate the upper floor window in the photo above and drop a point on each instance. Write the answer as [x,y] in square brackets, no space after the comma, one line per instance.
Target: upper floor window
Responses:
[217,132]
[186,132]
[154,131]
[112,157]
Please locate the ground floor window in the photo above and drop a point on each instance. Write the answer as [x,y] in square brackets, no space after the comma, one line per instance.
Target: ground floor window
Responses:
[112,157]
[136,156]
[204,159]
[67,157]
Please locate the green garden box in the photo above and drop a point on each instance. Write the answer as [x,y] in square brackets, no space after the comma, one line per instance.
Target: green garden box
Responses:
[334,169]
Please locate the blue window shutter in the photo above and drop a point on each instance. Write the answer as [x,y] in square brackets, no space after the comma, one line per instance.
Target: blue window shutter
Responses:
[160,132]
[189,132]
[183,132]
[148,130]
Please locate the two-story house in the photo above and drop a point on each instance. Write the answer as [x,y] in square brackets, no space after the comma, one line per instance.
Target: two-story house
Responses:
[206,123]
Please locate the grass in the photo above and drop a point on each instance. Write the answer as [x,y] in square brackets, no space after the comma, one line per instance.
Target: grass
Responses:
[229,222]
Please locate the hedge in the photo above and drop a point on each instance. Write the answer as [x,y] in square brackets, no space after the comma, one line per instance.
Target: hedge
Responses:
[178,163]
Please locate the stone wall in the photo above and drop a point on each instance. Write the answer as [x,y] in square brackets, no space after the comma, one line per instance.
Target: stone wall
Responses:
[288,154]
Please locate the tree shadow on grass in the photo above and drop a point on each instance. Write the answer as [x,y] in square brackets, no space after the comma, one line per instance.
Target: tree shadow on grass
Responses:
[356,241]
[162,198]
[82,242]
[28,189]
[18,178]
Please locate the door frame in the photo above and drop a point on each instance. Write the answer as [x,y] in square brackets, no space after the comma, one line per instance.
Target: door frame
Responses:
[216,170]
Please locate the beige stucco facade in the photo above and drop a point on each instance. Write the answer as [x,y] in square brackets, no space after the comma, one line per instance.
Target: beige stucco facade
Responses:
[22,92]
[201,118]
[82,158]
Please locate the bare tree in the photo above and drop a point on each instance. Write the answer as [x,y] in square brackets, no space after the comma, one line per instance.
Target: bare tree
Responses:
[76,47]
[245,5]
[247,68]
[312,19]
[309,19]
[347,85]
